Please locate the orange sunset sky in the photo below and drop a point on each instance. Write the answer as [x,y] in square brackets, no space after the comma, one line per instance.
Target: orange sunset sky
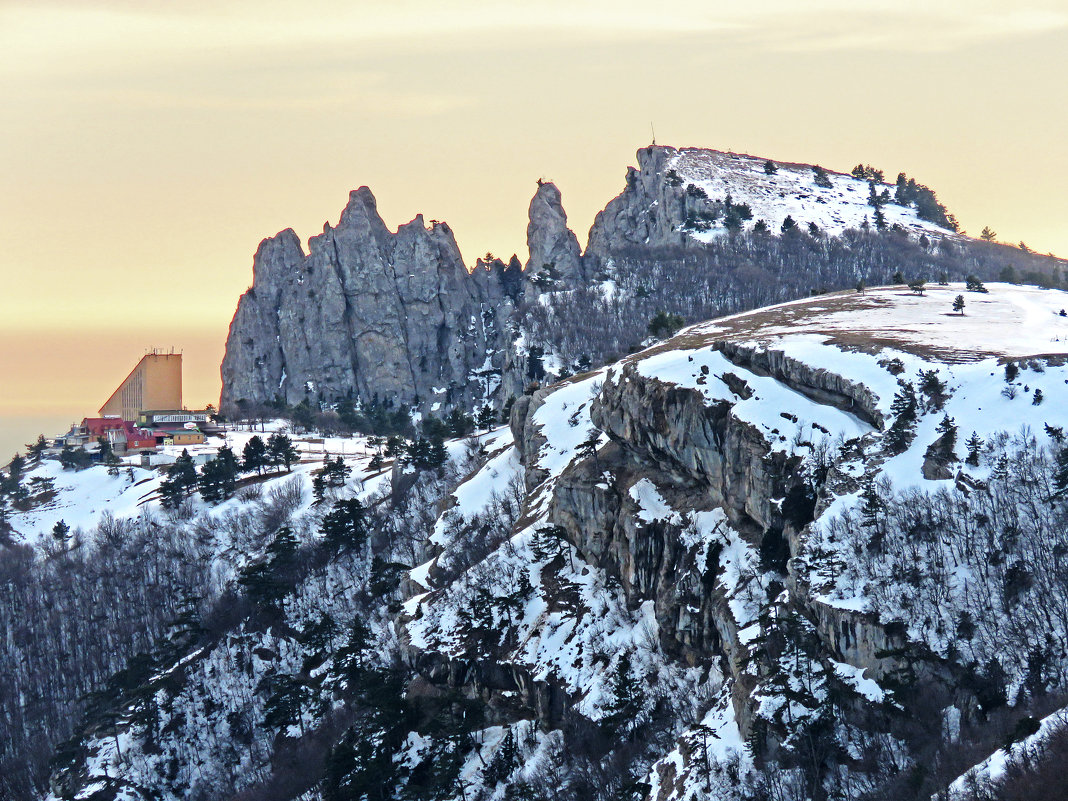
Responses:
[146,147]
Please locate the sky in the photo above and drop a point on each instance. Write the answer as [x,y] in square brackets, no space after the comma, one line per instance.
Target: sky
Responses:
[147,146]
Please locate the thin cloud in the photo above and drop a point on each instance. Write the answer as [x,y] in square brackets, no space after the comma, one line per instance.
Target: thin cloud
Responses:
[924,32]
[62,37]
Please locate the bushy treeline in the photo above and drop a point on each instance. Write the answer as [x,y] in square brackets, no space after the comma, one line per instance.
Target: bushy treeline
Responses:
[71,617]
[589,327]
[979,572]
[244,652]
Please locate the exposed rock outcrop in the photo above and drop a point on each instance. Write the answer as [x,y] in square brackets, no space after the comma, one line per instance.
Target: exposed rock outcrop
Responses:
[367,314]
[646,214]
[555,256]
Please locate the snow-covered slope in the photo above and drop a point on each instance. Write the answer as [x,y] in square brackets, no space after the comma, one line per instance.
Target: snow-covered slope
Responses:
[691,458]
[792,190]
[802,551]
[1008,320]
[682,197]
[1028,751]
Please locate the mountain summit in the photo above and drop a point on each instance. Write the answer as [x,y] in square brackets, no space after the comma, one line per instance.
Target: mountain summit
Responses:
[374,320]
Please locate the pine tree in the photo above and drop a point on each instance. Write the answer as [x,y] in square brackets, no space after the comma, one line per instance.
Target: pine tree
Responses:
[183,470]
[1060,474]
[281,451]
[267,580]
[210,481]
[254,455]
[988,234]
[345,527]
[351,659]
[948,430]
[975,448]
[627,699]
[459,423]
[958,304]
[788,225]
[935,391]
[587,449]
[36,449]
[61,532]
[503,761]
[181,481]
[284,706]
[770,168]
[437,455]
[872,506]
[904,409]
[218,476]
[664,325]
[74,458]
[486,418]
[546,543]
[332,475]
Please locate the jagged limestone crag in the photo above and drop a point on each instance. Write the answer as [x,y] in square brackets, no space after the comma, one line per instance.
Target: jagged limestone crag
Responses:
[700,457]
[647,214]
[372,315]
[369,314]
[366,314]
[555,256]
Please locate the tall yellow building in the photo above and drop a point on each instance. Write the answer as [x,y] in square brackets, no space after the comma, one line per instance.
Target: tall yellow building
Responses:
[155,383]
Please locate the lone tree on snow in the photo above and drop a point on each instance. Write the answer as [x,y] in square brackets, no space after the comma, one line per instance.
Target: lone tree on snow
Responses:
[958,304]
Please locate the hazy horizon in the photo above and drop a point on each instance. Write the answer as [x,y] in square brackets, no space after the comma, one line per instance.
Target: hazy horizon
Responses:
[148,148]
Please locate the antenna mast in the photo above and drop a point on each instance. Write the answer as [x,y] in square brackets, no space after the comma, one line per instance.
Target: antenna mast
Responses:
[653,131]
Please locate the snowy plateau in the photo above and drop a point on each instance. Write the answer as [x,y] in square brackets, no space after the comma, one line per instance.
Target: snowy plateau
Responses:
[816,550]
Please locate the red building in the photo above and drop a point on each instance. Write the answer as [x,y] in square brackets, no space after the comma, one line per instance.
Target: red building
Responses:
[96,427]
[123,435]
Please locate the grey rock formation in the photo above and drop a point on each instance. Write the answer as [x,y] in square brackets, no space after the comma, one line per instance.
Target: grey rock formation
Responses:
[367,314]
[647,214]
[555,257]
[372,315]
[700,457]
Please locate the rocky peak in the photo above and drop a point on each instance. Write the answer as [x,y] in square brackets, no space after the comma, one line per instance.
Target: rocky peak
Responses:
[645,213]
[555,256]
[368,314]
[277,259]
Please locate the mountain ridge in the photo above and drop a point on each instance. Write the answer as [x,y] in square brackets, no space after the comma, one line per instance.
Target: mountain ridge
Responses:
[475,349]
[705,571]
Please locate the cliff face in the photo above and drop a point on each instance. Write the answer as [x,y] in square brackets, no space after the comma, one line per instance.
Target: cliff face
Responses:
[555,256]
[373,315]
[706,484]
[715,566]
[366,314]
[648,213]
[370,314]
